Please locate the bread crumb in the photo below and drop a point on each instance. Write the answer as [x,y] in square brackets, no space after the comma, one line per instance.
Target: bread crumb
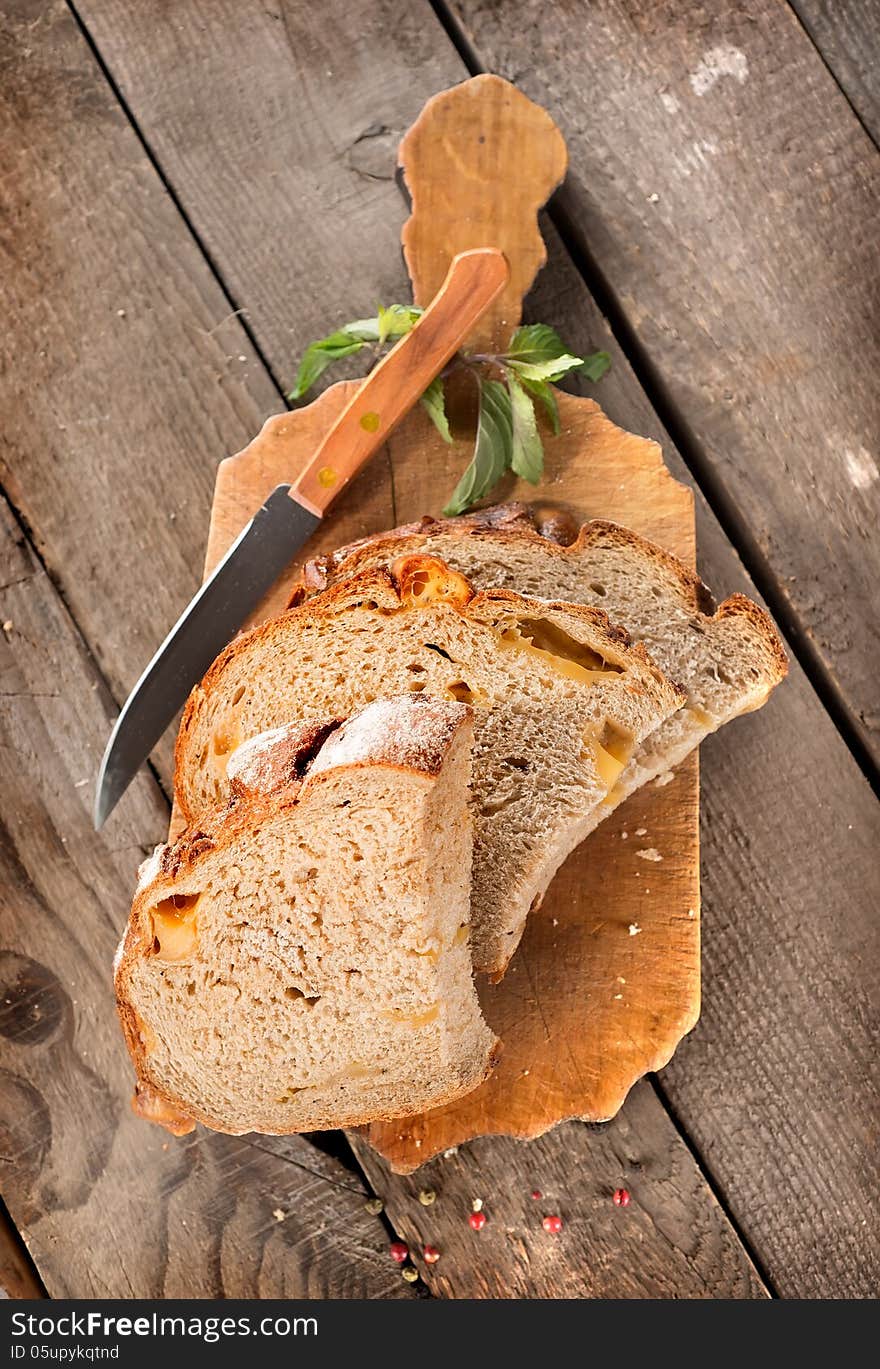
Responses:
[692,912]
[79,784]
[448,1154]
[477,1205]
[618,995]
[620,979]
[634,929]
[624,835]
[7,626]
[555,921]
[279,1215]
[526,1071]
[649,853]
[641,831]
[666,778]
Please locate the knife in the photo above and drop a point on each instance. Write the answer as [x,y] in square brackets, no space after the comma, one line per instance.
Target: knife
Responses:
[290,515]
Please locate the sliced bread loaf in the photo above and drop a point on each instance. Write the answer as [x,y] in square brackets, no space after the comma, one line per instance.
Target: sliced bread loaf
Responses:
[557,694]
[301,959]
[728,659]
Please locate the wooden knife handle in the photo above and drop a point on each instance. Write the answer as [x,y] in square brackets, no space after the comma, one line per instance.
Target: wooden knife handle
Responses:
[473,281]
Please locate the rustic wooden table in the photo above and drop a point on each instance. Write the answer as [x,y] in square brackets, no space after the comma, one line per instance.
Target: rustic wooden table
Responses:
[191,193]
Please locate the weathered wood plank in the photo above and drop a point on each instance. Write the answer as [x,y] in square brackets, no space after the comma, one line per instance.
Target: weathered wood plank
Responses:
[672,1241]
[728,194]
[847,33]
[80,1173]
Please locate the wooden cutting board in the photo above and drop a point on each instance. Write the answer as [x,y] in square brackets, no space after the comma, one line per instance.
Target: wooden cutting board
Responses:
[607,978]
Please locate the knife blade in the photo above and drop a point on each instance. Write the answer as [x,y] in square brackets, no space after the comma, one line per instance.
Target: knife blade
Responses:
[287,519]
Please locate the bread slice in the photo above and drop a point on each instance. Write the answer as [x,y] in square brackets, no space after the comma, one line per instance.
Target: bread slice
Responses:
[301,959]
[728,659]
[556,692]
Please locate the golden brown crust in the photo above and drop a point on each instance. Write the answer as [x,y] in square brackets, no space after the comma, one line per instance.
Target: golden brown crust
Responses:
[739,606]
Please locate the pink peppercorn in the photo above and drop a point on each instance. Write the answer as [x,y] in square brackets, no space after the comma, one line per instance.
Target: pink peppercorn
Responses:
[621,1197]
[552,1224]
[477,1220]
[398,1251]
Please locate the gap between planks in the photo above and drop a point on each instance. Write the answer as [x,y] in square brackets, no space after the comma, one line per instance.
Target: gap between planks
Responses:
[702,1165]
[711,485]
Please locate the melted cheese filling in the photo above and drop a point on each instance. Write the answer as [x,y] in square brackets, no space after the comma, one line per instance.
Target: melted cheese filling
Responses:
[548,643]
[175,926]
[412,1019]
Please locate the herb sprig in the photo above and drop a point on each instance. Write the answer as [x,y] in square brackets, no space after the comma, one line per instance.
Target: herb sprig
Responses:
[507,436]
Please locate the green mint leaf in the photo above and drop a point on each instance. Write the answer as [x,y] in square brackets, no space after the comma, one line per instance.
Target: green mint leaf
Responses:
[397,319]
[546,370]
[433,402]
[538,353]
[595,365]
[492,450]
[318,356]
[535,343]
[543,392]
[527,453]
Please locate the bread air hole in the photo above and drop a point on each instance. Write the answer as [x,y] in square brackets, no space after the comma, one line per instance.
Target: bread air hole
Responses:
[431,584]
[295,995]
[461,691]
